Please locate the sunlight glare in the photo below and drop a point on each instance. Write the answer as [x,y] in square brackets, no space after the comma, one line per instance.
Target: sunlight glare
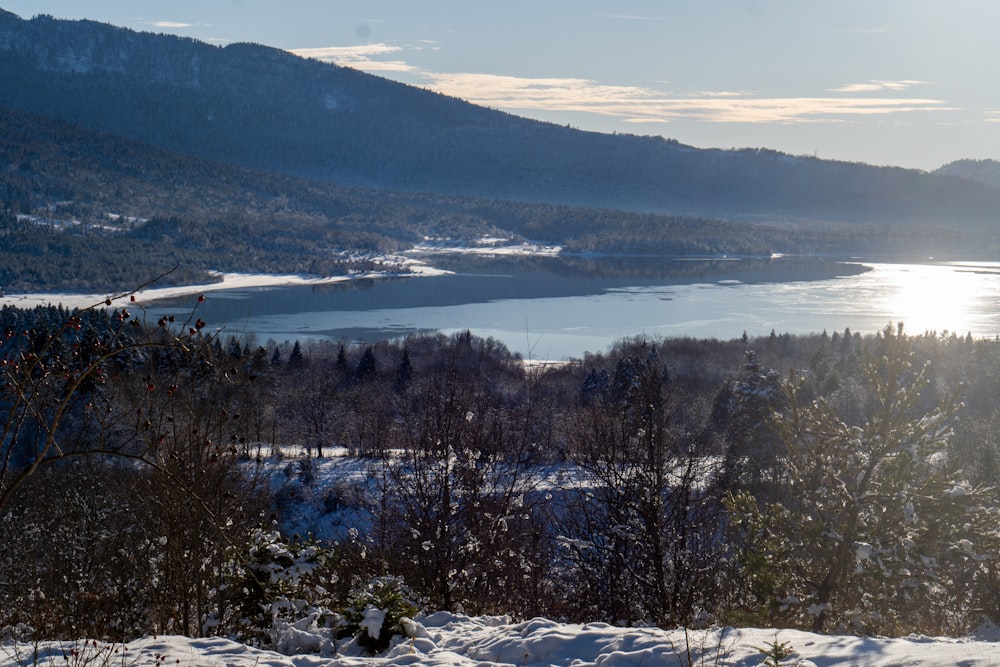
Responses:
[934,298]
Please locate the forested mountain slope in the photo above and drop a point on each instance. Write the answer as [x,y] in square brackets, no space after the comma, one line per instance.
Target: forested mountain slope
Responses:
[87,210]
[259,107]
[986,172]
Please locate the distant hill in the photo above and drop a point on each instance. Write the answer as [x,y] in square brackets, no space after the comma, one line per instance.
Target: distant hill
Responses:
[261,108]
[986,172]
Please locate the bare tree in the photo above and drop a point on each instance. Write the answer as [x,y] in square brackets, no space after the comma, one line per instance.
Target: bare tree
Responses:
[639,535]
[57,383]
[158,410]
[461,520]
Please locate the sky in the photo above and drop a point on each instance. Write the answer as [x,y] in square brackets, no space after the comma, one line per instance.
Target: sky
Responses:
[908,83]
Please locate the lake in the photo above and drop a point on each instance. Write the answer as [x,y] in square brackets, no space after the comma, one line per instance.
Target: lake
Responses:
[558,308]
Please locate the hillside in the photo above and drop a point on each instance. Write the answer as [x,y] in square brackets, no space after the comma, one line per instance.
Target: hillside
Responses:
[126,211]
[85,210]
[261,108]
[986,172]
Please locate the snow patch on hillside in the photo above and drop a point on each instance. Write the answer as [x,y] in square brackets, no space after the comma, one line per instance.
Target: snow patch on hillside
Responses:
[486,245]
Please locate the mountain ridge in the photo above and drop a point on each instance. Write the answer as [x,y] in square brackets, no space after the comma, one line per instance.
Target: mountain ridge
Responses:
[266,109]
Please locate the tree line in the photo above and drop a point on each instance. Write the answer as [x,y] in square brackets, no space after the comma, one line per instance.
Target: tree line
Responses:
[159,479]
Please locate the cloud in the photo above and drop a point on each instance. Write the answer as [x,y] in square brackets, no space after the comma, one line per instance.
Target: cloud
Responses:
[633,104]
[720,93]
[359,57]
[645,105]
[360,52]
[876,86]
[170,25]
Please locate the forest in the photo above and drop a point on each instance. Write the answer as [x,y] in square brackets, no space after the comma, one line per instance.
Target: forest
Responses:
[159,479]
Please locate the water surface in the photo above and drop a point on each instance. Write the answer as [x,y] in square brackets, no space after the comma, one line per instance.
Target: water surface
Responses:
[551,308]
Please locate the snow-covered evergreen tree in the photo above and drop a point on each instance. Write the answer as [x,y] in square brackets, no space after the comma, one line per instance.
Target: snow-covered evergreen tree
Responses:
[873,521]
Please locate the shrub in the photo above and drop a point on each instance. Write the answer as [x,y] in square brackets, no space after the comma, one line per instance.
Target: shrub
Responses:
[374,615]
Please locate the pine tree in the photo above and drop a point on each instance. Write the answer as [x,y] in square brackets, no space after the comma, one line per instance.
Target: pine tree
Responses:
[747,410]
[404,372]
[296,358]
[864,536]
[366,365]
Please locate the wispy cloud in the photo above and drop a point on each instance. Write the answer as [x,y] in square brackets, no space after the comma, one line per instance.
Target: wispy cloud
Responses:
[877,86]
[635,104]
[720,93]
[170,25]
[363,57]
[644,105]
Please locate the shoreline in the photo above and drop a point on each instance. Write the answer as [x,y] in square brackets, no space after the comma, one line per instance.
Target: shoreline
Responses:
[417,269]
[229,281]
[143,296]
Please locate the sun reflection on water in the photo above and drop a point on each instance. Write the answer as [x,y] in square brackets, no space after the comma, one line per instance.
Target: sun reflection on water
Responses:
[941,298]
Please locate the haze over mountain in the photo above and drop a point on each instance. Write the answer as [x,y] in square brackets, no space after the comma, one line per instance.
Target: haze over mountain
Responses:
[268,110]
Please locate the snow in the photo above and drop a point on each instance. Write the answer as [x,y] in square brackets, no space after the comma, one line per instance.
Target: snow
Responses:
[372,622]
[486,245]
[449,639]
[410,260]
[227,281]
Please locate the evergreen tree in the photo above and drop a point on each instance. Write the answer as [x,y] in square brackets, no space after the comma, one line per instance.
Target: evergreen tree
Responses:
[865,534]
[747,411]
[366,365]
[235,348]
[296,358]
[404,372]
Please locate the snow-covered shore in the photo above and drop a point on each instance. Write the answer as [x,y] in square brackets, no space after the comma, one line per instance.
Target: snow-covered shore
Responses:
[461,641]
[409,260]
[227,281]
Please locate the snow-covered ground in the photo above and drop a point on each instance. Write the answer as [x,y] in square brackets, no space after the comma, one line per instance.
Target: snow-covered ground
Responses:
[454,640]
[484,246]
[228,281]
[411,260]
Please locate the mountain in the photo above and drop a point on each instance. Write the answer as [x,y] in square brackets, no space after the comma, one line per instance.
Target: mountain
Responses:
[126,211]
[265,109]
[986,172]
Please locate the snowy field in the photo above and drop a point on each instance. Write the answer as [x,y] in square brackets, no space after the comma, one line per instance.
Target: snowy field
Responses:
[453,640]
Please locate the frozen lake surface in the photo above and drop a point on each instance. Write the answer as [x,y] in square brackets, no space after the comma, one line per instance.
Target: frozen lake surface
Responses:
[552,308]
